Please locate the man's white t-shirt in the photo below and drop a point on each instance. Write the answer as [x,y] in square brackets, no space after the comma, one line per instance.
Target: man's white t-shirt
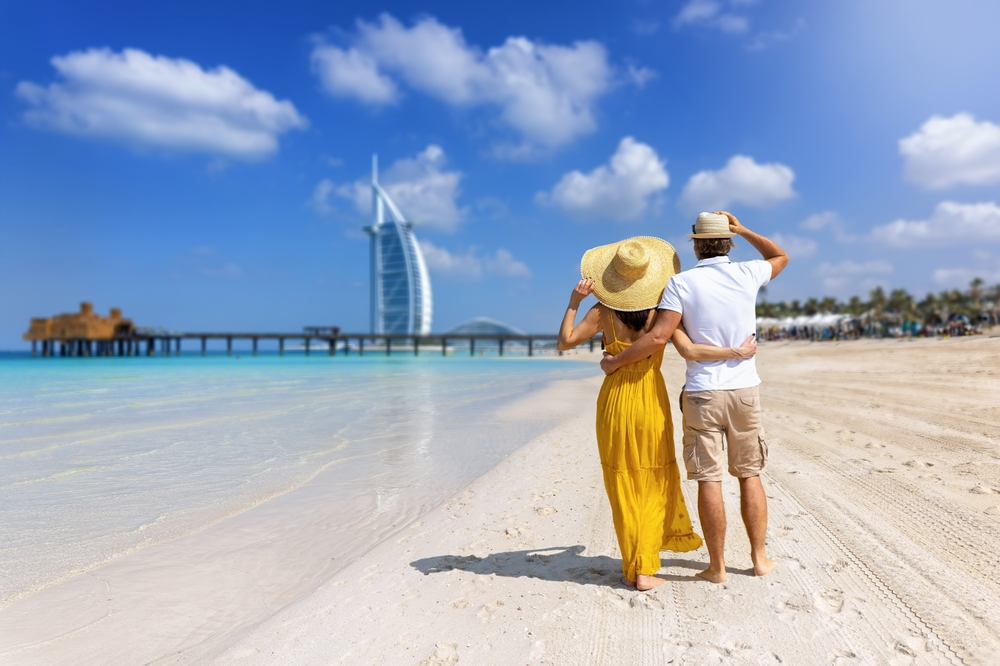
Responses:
[717,301]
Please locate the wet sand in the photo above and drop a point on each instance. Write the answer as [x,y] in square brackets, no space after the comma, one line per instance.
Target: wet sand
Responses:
[884,497]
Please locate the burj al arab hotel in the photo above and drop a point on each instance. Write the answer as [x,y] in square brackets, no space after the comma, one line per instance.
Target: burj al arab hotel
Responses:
[400,289]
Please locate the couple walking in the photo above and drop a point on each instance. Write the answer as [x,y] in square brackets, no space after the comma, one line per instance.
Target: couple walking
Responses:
[644,301]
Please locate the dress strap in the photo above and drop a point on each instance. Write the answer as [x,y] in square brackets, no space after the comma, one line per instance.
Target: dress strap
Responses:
[611,318]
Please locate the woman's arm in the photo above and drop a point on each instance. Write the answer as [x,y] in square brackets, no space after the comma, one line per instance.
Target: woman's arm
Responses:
[698,352]
[569,335]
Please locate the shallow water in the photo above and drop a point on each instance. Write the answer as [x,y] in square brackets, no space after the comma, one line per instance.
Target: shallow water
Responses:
[100,457]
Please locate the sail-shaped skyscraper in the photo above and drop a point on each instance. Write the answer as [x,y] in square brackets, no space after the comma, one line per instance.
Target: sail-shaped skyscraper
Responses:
[400,289]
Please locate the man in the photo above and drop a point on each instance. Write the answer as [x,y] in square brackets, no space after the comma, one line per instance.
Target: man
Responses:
[716,300]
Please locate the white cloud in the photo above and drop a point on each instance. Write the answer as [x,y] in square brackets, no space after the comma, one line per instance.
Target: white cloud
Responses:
[640,76]
[545,92]
[796,246]
[711,13]
[423,190]
[146,100]
[620,190]
[320,200]
[961,277]
[742,181]
[766,39]
[952,151]
[469,265]
[951,223]
[350,73]
[828,220]
[836,276]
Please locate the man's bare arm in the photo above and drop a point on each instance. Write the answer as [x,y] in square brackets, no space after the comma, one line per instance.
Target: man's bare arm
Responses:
[768,249]
[647,345]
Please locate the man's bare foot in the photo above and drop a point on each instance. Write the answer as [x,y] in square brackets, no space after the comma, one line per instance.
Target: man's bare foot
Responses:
[764,566]
[712,575]
[643,583]
[630,583]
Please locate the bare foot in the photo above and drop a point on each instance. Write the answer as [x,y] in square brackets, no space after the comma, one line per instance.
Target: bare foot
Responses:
[713,576]
[630,583]
[644,583]
[764,566]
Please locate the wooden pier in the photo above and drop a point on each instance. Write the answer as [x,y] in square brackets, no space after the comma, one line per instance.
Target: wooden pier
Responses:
[169,344]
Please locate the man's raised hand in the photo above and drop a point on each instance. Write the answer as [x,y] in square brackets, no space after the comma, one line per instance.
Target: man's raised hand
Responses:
[734,225]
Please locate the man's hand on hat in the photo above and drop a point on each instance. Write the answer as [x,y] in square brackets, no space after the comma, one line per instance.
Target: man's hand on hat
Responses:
[734,224]
[584,288]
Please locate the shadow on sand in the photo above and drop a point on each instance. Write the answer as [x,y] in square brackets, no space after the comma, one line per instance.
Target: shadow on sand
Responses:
[557,564]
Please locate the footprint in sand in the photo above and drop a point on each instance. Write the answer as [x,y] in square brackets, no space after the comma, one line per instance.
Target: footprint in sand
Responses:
[512,532]
[982,490]
[446,654]
[918,463]
[487,612]
[545,510]
[459,604]
[993,511]
[830,600]
[645,601]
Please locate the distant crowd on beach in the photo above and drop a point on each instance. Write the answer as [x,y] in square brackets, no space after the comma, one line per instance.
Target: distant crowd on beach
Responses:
[897,315]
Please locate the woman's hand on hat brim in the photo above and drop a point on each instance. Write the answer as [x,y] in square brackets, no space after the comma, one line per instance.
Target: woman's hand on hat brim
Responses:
[584,288]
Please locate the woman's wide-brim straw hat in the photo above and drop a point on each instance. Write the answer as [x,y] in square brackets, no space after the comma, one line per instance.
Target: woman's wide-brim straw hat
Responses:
[711,225]
[630,275]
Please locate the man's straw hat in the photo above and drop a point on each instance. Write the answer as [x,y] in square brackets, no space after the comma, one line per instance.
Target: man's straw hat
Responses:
[710,225]
[630,275]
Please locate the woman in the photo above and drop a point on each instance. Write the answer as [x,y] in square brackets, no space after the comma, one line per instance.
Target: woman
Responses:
[634,428]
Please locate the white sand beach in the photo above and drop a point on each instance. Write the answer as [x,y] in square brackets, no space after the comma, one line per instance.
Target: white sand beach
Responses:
[884,489]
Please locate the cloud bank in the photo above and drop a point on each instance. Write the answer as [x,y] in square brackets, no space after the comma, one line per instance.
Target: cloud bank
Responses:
[952,151]
[950,224]
[621,190]
[544,92]
[470,265]
[741,181]
[424,191]
[155,101]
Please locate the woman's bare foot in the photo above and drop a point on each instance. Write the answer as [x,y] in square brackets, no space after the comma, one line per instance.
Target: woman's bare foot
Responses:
[643,583]
[712,575]
[630,583]
[764,566]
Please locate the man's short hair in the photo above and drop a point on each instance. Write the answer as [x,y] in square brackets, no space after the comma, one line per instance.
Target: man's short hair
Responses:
[706,248]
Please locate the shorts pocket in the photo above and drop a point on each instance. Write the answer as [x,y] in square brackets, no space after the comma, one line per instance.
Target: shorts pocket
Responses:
[699,399]
[749,400]
[691,462]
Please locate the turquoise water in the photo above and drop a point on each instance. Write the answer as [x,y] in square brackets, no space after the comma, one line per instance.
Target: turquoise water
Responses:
[100,457]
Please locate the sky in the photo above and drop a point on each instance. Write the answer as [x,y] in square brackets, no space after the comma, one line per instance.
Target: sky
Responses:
[204,165]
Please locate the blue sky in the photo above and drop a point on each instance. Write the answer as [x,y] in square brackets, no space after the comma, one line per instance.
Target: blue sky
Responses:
[202,165]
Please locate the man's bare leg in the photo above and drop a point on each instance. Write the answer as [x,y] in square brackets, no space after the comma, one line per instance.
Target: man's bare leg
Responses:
[753,506]
[712,513]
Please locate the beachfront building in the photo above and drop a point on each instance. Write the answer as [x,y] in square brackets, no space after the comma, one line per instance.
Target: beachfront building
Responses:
[75,331]
[400,289]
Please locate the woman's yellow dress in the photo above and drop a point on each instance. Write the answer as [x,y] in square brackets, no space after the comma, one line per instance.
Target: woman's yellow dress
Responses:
[635,438]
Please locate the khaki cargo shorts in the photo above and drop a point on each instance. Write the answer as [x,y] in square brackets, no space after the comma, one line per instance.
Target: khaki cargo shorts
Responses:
[715,419]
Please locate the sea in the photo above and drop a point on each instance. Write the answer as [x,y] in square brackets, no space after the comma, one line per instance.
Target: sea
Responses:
[103,457]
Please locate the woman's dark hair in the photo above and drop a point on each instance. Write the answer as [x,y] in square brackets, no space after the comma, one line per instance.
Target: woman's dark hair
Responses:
[634,320]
